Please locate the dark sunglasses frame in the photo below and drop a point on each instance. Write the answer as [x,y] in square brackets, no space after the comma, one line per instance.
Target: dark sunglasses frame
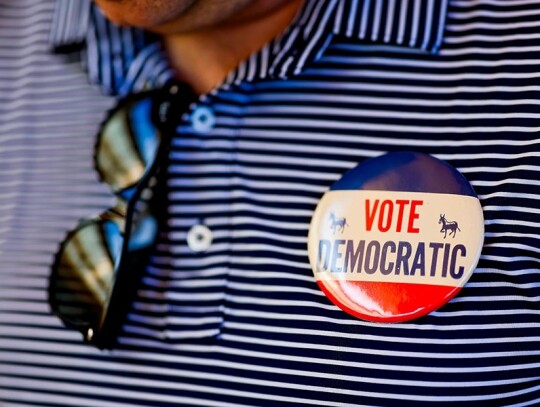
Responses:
[173,100]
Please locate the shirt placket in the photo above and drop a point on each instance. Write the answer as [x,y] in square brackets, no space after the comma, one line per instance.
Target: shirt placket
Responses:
[190,271]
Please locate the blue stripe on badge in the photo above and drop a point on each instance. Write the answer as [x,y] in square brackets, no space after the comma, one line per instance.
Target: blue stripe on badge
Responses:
[426,173]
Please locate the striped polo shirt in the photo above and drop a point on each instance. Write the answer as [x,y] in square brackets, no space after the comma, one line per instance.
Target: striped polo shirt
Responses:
[240,320]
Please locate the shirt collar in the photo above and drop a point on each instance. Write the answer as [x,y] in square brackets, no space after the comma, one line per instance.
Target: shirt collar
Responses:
[120,60]
[69,26]
[121,69]
[408,23]
[417,24]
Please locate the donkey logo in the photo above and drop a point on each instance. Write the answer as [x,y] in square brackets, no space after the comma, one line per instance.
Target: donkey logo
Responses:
[337,224]
[448,226]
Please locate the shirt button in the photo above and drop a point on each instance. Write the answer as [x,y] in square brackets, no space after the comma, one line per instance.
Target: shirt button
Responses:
[199,238]
[203,119]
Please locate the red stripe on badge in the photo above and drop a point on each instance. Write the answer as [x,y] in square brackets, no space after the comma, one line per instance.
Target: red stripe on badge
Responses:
[387,302]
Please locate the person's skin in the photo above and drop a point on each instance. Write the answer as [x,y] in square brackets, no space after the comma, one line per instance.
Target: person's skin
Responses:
[205,39]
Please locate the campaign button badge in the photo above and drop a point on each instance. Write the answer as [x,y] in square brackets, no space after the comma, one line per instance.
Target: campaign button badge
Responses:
[396,237]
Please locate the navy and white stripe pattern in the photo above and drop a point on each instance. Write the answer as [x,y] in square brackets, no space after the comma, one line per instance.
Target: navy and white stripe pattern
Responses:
[368,21]
[121,60]
[413,23]
[244,323]
[69,24]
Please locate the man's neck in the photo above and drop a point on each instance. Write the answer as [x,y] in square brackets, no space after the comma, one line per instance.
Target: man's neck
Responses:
[204,58]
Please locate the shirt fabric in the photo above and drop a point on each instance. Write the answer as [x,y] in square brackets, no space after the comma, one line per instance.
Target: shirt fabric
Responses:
[244,323]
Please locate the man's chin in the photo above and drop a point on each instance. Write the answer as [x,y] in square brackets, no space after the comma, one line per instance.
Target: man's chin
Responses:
[160,16]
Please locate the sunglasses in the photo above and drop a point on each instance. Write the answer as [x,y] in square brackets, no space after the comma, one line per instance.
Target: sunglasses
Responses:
[99,264]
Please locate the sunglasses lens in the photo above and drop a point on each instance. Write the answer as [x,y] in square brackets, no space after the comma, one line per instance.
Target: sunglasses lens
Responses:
[84,272]
[127,146]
